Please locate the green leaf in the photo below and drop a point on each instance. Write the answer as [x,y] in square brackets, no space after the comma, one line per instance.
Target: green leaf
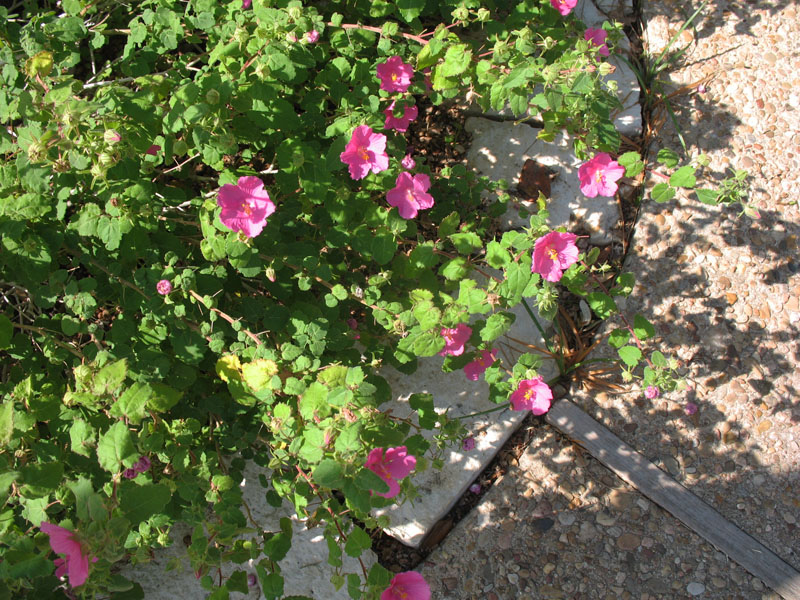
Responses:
[83,492]
[133,403]
[632,162]
[630,355]
[109,379]
[41,479]
[465,243]
[602,304]
[455,269]
[6,422]
[358,540]
[497,325]
[115,448]
[410,9]
[328,473]
[279,544]
[667,157]
[707,196]
[619,337]
[369,481]
[456,60]
[496,256]
[624,284]
[271,583]
[643,328]
[659,360]
[163,397]
[82,436]
[449,225]
[423,404]
[662,192]
[258,374]
[683,177]
[6,332]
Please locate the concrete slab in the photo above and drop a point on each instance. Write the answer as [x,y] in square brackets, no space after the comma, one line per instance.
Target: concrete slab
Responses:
[440,490]
[500,149]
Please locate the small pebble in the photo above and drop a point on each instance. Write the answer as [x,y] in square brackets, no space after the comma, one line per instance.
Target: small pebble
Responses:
[695,589]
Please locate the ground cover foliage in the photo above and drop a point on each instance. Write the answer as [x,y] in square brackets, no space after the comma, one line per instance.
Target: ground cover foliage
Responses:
[203,265]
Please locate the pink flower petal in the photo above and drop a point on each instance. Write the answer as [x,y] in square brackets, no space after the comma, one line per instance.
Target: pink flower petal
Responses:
[532,394]
[407,586]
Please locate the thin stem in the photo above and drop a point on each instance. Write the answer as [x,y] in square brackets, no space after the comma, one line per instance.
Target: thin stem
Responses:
[625,320]
[43,332]
[227,317]
[420,40]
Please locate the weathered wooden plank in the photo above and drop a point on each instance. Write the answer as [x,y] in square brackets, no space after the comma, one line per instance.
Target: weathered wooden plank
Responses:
[674,498]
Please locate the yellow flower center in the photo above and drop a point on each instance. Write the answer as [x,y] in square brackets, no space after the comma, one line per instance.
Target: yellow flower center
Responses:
[552,253]
[364,154]
[529,394]
[598,176]
[394,76]
[247,208]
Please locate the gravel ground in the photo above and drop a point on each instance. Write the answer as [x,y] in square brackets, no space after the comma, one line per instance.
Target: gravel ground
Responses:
[724,294]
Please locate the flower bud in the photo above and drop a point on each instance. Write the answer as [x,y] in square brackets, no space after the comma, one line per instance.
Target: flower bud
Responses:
[106,159]
[605,68]
[36,151]
[212,96]
[111,136]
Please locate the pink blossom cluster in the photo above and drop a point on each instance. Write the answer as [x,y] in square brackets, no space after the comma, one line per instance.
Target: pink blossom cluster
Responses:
[366,151]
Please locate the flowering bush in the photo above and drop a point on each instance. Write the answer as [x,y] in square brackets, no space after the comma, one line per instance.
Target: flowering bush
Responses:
[215,234]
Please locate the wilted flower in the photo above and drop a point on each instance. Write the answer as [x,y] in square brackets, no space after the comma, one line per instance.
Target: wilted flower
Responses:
[365,152]
[142,465]
[651,392]
[455,338]
[599,176]
[245,206]
[408,162]
[475,488]
[130,473]
[395,75]
[690,408]
[468,444]
[407,586]
[410,194]
[532,394]
[153,150]
[391,466]
[553,254]
[312,37]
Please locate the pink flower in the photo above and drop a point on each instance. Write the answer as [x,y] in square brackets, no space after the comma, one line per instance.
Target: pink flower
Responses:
[75,563]
[401,123]
[395,75]
[392,466]
[164,287]
[312,37]
[245,206]
[246,4]
[142,465]
[153,150]
[476,368]
[410,194]
[599,176]
[532,394]
[455,340]
[690,408]
[701,89]
[475,488]
[553,253]
[564,6]
[408,162]
[365,152]
[651,392]
[129,473]
[468,444]
[407,586]
[598,38]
